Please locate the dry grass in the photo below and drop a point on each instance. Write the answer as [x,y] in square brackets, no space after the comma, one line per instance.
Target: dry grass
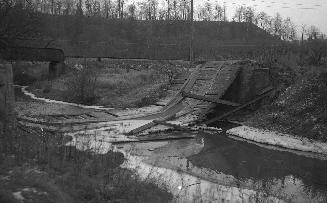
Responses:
[300,106]
[43,169]
[131,89]
[118,85]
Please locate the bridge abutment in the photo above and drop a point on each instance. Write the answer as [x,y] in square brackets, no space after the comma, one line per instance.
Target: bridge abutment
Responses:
[56,69]
[250,81]
[7,106]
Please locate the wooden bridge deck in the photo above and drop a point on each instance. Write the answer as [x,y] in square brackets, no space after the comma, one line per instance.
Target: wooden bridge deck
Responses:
[219,76]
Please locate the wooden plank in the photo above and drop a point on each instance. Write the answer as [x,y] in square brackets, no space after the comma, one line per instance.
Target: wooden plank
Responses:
[178,81]
[142,128]
[237,109]
[178,127]
[224,80]
[187,85]
[204,98]
[112,114]
[264,90]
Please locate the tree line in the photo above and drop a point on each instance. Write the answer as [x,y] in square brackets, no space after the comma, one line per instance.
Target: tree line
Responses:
[170,10]
[19,17]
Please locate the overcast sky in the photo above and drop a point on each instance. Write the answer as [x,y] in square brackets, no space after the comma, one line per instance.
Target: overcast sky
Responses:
[310,12]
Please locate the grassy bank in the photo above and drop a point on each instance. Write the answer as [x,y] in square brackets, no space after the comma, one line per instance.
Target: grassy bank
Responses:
[299,105]
[115,84]
[40,168]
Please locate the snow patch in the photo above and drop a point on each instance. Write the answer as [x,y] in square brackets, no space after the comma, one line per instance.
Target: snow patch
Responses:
[18,196]
[33,190]
[100,139]
[33,96]
[278,139]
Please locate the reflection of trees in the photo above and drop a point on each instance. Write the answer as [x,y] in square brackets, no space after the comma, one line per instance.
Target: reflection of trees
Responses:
[247,161]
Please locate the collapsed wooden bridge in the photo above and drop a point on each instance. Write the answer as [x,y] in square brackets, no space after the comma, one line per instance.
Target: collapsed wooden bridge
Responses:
[211,92]
[228,85]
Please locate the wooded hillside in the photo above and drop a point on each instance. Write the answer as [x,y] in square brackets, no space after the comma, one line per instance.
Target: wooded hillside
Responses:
[160,39]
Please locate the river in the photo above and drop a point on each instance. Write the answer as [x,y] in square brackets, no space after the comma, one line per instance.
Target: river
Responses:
[217,168]
[213,167]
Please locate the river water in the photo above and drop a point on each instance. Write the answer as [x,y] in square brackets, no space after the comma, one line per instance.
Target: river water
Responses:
[217,168]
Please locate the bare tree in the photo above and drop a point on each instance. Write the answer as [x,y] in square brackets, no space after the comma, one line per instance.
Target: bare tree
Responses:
[143,10]
[185,10]
[68,7]
[88,7]
[96,8]
[131,11]
[312,32]
[108,9]
[288,29]
[162,13]
[249,15]
[206,12]
[218,12]
[148,9]
[262,20]
[239,14]
[168,9]
[79,10]
[278,23]
[303,31]
[120,8]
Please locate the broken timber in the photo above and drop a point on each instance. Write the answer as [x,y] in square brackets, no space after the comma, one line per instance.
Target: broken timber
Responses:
[264,94]
[178,127]
[209,99]
[236,82]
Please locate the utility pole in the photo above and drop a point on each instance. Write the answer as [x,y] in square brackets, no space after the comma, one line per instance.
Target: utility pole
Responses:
[192,33]
[225,12]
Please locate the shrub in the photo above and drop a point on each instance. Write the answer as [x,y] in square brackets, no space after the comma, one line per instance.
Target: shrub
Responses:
[81,87]
[42,161]
[317,50]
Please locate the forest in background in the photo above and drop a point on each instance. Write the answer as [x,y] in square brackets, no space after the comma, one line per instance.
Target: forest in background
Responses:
[144,29]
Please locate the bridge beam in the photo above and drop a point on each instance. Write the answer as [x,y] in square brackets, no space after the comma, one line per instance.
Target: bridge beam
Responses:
[259,97]
[209,99]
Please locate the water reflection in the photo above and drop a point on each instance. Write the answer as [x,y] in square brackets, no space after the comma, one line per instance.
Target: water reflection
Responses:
[209,165]
[247,161]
